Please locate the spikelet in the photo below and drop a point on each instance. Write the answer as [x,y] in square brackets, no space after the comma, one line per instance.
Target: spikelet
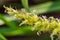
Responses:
[11,11]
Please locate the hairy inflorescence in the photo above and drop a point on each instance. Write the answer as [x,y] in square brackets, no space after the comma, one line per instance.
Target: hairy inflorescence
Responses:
[43,23]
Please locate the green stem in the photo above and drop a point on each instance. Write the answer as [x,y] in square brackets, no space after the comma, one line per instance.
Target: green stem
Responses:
[25,5]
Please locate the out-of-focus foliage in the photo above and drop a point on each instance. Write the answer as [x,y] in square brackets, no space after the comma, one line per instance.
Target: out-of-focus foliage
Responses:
[2,37]
[46,7]
[25,4]
[41,1]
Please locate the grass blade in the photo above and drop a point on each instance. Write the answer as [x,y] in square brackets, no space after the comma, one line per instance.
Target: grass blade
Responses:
[10,24]
[2,37]
[46,7]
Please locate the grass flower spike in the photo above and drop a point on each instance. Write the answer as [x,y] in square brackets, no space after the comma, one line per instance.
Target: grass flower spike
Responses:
[39,24]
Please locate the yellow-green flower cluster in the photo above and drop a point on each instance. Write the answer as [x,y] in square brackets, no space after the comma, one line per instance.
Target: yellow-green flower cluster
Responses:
[11,11]
[43,23]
